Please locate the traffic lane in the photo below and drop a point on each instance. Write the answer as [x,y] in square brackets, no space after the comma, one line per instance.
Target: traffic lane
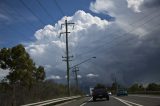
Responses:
[116,101]
[142,100]
[104,102]
[76,102]
[88,101]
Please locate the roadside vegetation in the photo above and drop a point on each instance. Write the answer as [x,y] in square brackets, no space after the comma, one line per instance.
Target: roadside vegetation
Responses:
[151,88]
[25,82]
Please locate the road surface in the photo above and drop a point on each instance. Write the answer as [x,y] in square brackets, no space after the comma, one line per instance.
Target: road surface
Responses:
[131,100]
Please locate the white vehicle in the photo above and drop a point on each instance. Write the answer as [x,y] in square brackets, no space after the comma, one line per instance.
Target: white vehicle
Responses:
[109,93]
[91,91]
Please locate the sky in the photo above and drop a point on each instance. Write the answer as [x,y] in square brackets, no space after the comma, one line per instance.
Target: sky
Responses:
[122,34]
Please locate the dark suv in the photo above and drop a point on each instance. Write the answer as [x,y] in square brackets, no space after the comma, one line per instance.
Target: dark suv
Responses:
[100,93]
[122,92]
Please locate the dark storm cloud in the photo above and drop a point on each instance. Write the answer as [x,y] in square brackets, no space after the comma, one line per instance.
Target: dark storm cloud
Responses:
[148,66]
[152,3]
[130,59]
[138,63]
[135,56]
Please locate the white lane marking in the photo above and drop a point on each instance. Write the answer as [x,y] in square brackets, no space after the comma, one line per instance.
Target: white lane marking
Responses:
[91,99]
[122,101]
[132,103]
[145,96]
[65,103]
[83,104]
[86,102]
[128,102]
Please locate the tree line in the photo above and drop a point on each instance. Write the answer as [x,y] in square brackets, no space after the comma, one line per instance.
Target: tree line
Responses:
[151,88]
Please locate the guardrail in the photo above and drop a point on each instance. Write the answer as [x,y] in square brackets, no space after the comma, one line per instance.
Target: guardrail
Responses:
[52,101]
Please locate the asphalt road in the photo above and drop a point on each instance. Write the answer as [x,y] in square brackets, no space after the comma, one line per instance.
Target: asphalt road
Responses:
[131,100]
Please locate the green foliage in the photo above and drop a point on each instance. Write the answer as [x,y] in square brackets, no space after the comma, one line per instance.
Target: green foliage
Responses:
[136,87]
[21,66]
[153,87]
[40,91]
[113,87]
[39,73]
[99,86]
[140,89]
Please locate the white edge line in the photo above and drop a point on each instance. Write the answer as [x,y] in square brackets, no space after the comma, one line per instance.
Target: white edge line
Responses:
[132,103]
[86,102]
[90,99]
[122,101]
[65,103]
[83,104]
[146,96]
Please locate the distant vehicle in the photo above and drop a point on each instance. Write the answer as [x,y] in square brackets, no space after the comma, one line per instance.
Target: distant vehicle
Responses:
[91,91]
[122,92]
[87,95]
[109,93]
[100,92]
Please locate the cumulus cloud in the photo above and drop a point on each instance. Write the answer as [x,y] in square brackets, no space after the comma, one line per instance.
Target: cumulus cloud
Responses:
[92,75]
[79,76]
[102,6]
[54,77]
[135,4]
[110,6]
[124,48]
[48,49]
[121,11]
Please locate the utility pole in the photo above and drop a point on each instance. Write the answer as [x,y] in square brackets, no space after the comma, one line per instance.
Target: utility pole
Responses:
[116,85]
[67,53]
[76,69]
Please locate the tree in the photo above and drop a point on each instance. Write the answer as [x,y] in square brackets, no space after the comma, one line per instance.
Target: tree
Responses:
[136,87]
[22,69]
[114,86]
[153,87]
[99,86]
[40,74]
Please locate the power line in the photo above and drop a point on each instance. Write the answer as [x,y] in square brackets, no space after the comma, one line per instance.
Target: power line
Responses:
[20,15]
[110,47]
[11,29]
[127,40]
[131,24]
[123,34]
[113,40]
[45,10]
[58,6]
[29,9]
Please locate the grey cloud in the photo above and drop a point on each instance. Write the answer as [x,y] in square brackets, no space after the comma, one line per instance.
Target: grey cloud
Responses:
[130,58]
[152,3]
[130,63]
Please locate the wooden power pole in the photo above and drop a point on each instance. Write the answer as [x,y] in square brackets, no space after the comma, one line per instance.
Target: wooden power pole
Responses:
[67,57]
